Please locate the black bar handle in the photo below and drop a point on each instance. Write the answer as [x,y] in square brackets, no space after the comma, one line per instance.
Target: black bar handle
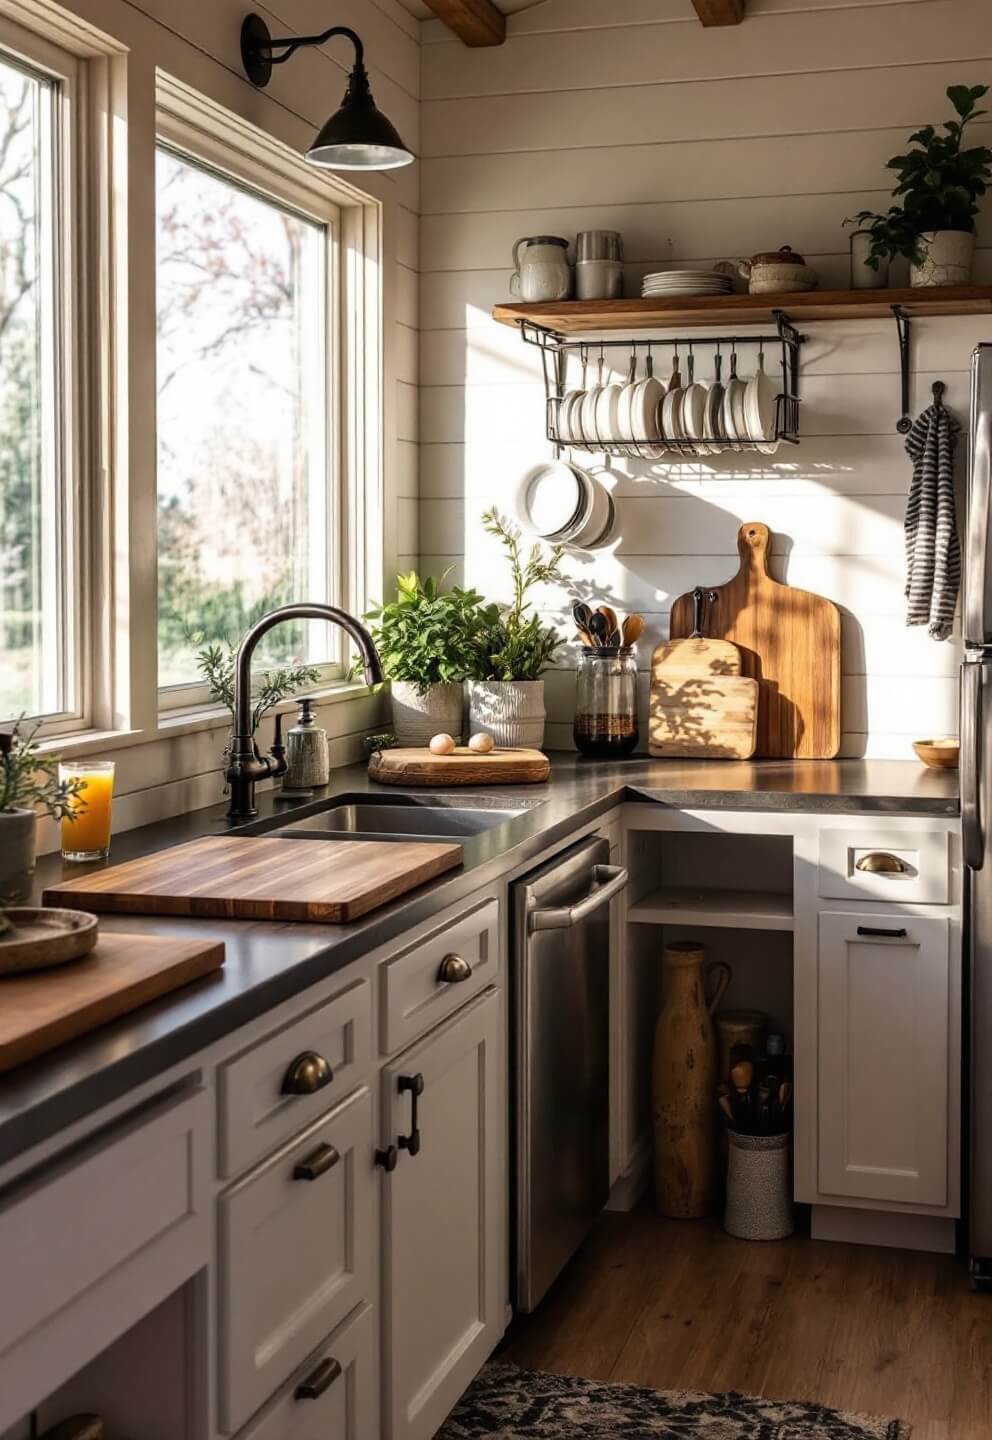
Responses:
[885,934]
[415,1085]
[319,1380]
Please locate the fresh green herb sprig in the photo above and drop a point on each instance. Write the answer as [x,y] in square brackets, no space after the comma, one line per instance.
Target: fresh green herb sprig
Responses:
[513,644]
[216,663]
[30,777]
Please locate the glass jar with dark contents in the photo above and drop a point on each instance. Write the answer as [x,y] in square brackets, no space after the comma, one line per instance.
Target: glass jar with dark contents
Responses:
[606,702]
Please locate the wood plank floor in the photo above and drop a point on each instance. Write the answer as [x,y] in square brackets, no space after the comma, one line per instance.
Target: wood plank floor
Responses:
[681,1305]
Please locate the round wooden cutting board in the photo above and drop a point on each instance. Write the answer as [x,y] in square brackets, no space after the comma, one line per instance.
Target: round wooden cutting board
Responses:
[461,767]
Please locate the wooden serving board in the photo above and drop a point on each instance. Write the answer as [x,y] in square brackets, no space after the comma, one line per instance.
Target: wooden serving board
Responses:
[262,878]
[48,1008]
[789,642]
[461,767]
[700,703]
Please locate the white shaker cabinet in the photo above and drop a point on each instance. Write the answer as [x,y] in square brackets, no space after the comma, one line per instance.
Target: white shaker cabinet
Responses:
[885,1052]
[443,1216]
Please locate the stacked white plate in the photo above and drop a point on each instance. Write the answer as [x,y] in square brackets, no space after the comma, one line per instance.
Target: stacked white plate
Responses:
[685,282]
[564,504]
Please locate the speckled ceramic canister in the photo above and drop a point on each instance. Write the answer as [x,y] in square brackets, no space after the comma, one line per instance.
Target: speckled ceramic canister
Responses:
[759,1203]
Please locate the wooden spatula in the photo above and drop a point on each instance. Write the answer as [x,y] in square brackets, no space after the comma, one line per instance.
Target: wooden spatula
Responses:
[700,703]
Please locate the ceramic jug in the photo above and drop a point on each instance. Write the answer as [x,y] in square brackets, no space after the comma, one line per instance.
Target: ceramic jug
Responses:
[540,269]
[684,1084]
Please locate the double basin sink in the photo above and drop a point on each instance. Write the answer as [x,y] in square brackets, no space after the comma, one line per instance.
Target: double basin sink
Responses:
[397,817]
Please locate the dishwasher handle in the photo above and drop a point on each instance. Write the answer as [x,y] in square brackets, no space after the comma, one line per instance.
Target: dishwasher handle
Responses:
[609,881]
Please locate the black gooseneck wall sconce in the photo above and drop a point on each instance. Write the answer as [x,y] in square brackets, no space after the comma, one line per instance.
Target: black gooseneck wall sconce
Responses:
[357,136]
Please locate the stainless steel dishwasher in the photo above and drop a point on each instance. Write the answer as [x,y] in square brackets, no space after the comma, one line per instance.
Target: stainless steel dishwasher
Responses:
[561,1064]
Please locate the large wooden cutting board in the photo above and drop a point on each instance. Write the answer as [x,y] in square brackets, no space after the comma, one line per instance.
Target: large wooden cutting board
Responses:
[262,878]
[789,641]
[461,767]
[49,1007]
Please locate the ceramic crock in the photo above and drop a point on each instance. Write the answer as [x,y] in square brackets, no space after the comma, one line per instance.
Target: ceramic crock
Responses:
[540,269]
[773,272]
[947,259]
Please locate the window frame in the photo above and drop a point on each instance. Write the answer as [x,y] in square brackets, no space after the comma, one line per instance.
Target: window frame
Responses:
[195,129]
[69,259]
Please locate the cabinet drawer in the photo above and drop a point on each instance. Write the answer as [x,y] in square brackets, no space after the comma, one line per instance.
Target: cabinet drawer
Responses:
[256,1113]
[913,865]
[98,1240]
[414,996]
[295,1254]
[346,1409]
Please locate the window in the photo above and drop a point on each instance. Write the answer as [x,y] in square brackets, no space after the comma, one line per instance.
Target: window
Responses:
[246,418]
[38,556]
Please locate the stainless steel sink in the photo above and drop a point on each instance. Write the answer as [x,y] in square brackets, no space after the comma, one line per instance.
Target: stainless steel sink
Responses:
[402,817]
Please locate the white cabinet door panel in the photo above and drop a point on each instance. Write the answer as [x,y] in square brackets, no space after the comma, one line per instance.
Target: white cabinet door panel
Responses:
[444,1208]
[885,1012]
[332,1394]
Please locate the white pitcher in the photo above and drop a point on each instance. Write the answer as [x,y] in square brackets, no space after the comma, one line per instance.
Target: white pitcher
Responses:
[542,271]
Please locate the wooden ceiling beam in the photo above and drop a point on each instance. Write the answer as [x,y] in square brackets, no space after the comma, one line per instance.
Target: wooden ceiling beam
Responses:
[475,22]
[718,12]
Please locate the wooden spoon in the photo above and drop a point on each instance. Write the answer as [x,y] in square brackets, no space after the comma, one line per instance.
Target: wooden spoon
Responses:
[610,616]
[633,629]
[599,627]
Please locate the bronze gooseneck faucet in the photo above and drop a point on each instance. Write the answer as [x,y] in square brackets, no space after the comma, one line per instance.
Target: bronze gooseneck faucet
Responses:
[247,766]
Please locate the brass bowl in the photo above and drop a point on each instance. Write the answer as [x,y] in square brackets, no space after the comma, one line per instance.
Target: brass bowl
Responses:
[939,754]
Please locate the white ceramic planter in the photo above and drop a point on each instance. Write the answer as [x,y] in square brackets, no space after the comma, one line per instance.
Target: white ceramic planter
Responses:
[420,714]
[17,838]
[511,711]
[863,277]
[947,259]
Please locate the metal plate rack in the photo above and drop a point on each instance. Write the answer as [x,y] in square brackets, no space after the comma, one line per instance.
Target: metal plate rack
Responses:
[689,355]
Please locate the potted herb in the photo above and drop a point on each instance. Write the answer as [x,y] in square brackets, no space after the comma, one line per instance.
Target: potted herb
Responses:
[426,641]
[217,662]
[513,649]
[940,183]
[28,779]
[876,241]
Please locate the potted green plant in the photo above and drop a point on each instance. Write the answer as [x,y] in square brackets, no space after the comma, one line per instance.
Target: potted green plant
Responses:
[513,647]
[28,779]
[940,183]
[878,240]
[426,640]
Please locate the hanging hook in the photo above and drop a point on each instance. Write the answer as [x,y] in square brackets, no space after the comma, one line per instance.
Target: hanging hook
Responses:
[904,424]
[937,390]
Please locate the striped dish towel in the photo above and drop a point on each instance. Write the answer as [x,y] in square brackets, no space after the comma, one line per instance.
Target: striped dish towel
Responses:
[933,555]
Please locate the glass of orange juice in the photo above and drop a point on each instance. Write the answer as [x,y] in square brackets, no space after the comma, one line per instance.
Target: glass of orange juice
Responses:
[86,832]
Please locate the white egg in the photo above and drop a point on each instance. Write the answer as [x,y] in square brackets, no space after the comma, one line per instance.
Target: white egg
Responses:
[481,743]
[442,745]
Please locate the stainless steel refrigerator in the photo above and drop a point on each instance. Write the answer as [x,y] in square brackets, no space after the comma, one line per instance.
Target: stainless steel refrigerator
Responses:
[976,807]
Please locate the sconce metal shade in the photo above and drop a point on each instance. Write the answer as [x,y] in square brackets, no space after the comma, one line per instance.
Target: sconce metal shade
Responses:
[357,136]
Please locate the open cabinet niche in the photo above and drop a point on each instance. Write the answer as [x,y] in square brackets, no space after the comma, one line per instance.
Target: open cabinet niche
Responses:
[146,1385]
[730,892]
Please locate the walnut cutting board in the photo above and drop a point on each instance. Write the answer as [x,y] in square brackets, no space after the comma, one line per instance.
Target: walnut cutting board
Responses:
[49,1007]
[262,878]
[461,767]
[701,705]
[789,641]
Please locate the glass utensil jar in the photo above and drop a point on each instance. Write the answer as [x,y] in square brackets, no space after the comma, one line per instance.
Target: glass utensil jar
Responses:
[86,832]
[606,702]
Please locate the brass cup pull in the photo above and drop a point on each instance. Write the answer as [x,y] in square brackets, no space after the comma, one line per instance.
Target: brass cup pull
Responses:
[319,1380]
[324,1158]
[454,969]
[308,1073]
[880,862]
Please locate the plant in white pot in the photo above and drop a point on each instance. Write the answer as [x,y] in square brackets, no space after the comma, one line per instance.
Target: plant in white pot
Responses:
[506,695]
[28,779]
[940,185]
[426,639]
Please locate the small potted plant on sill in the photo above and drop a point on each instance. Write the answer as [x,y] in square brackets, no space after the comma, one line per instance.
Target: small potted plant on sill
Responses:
[29,780]
[513,650]
[940,184]
[216,663]
[426,639]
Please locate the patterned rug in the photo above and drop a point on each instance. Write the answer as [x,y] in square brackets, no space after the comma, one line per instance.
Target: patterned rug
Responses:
[507,1403]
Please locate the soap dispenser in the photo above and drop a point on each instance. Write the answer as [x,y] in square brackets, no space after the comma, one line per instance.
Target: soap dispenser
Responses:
[307,762]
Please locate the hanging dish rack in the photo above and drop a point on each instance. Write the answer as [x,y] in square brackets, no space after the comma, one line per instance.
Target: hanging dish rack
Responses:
[742,408]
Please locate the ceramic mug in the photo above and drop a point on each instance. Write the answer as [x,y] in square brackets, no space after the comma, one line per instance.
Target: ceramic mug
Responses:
[542,271]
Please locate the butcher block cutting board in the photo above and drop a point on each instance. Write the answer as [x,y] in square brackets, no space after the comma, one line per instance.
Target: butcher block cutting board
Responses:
[234,877]
[49,1007]
[789,642]
[461,767]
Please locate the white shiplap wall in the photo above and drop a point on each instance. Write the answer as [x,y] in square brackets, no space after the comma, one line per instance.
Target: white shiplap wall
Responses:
[696,144]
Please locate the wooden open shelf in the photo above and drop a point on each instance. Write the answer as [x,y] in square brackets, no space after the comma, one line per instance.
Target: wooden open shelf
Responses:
[579,317]
[720,909]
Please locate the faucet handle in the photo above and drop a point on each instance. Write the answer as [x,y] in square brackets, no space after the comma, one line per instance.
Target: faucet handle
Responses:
[278,751]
